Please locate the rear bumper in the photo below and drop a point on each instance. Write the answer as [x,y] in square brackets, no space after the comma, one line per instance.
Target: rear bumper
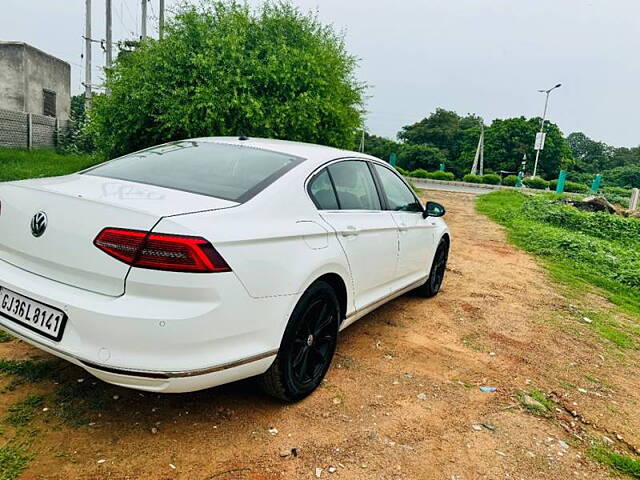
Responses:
[182,333]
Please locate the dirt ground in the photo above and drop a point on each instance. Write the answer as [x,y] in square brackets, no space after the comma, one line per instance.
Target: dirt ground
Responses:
[402,400]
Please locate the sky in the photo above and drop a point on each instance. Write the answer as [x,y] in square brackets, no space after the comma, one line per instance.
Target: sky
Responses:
[487,57]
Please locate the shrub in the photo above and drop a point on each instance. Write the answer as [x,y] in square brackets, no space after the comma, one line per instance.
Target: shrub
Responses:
[572,187]
[402,171]
[491,179]
[471,178]
[419,173]
[510,180]
[223,68]
[536,182]
[440,175]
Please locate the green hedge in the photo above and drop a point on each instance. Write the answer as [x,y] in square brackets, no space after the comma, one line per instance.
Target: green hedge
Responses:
[402,171]
[510,180]
[491,179]
[536,182]
[572,187]
[471,178]
[440,175]
[419,173]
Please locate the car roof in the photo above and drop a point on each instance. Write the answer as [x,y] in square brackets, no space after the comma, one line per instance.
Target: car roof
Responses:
[313,153]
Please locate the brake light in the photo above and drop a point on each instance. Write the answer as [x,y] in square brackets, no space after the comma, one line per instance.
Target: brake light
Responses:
[159,251]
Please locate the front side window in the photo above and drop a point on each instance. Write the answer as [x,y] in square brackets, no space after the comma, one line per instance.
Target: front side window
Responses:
[229,172]
[398,195]
[354,186]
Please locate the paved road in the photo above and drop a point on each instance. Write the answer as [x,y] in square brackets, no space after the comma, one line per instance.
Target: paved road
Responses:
[450,188]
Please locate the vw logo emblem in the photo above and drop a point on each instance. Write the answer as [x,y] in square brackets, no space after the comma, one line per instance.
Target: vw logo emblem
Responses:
[38,224]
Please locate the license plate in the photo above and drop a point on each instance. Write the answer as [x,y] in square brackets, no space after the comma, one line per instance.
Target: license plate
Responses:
[34,315]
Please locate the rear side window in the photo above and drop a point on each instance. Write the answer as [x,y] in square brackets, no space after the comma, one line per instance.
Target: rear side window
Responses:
[397,193]
[322,193]
[230,172]
[354,184]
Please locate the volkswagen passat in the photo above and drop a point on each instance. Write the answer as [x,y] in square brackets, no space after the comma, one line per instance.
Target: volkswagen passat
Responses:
[201,262]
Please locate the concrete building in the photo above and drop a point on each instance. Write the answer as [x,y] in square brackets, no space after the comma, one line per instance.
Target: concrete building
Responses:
[32,81]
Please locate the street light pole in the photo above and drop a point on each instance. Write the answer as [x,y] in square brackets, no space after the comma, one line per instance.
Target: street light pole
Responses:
[544,117]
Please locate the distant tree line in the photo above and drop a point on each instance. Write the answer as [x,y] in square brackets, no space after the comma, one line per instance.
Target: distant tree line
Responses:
[445,137]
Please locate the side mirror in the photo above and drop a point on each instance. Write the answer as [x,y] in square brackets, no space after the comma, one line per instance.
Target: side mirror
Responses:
[433,209]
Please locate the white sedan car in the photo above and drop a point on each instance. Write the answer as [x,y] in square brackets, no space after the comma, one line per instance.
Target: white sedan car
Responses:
[205,261]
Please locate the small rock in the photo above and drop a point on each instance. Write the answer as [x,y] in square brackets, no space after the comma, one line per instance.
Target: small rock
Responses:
[502,454]
[273,431]
[477,427]
[116,397]
[492,354]
[607,440]
[80,380]
[154,430]
[531,402]
[422,396]
[337,401]
[172,466]
[318,472]
[582,390]
[563,444]
[45,409]
[619,437]
[285,453]
[101,461]
[587,320]
[332,469]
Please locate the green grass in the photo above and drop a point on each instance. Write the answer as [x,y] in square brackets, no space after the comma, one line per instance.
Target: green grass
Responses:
[21,413]
[13,461]
[616,461]
[21,164]
[581,250]
[5,337]
[29,370]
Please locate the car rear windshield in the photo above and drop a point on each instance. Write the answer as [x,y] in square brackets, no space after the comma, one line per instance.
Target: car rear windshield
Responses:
[230,172]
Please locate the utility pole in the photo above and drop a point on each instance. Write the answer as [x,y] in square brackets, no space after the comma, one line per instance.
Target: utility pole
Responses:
[161,19]
[143,29]
[87,56]
[109,34]
[540,143]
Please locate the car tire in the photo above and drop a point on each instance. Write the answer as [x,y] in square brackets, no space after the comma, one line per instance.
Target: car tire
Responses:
[308,345]
[436,276]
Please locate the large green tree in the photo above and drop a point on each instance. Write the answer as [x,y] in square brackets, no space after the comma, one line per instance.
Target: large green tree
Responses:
[508,140]
[443,129]
[222,69]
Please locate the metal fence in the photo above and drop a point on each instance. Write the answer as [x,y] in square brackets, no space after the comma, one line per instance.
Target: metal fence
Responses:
[29,130]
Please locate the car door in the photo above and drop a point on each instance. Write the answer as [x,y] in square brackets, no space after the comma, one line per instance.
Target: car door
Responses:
[416,233]
[349,201]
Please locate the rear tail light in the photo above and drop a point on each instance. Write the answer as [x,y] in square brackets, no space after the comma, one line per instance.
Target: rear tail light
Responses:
[159,251]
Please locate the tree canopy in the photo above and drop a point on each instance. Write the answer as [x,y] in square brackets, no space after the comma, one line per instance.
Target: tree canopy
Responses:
[223,69]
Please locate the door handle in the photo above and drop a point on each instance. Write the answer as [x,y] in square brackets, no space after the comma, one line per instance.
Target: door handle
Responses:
[350,231]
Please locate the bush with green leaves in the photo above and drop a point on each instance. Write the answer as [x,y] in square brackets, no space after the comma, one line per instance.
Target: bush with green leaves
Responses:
[402,171]
[440,175]
[536,182]
[419,173]
[224,68]
[472,178]
[569,186]
[491,179]
[510,180]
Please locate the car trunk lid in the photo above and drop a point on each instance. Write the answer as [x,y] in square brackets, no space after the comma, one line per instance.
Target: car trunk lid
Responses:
[77,208]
